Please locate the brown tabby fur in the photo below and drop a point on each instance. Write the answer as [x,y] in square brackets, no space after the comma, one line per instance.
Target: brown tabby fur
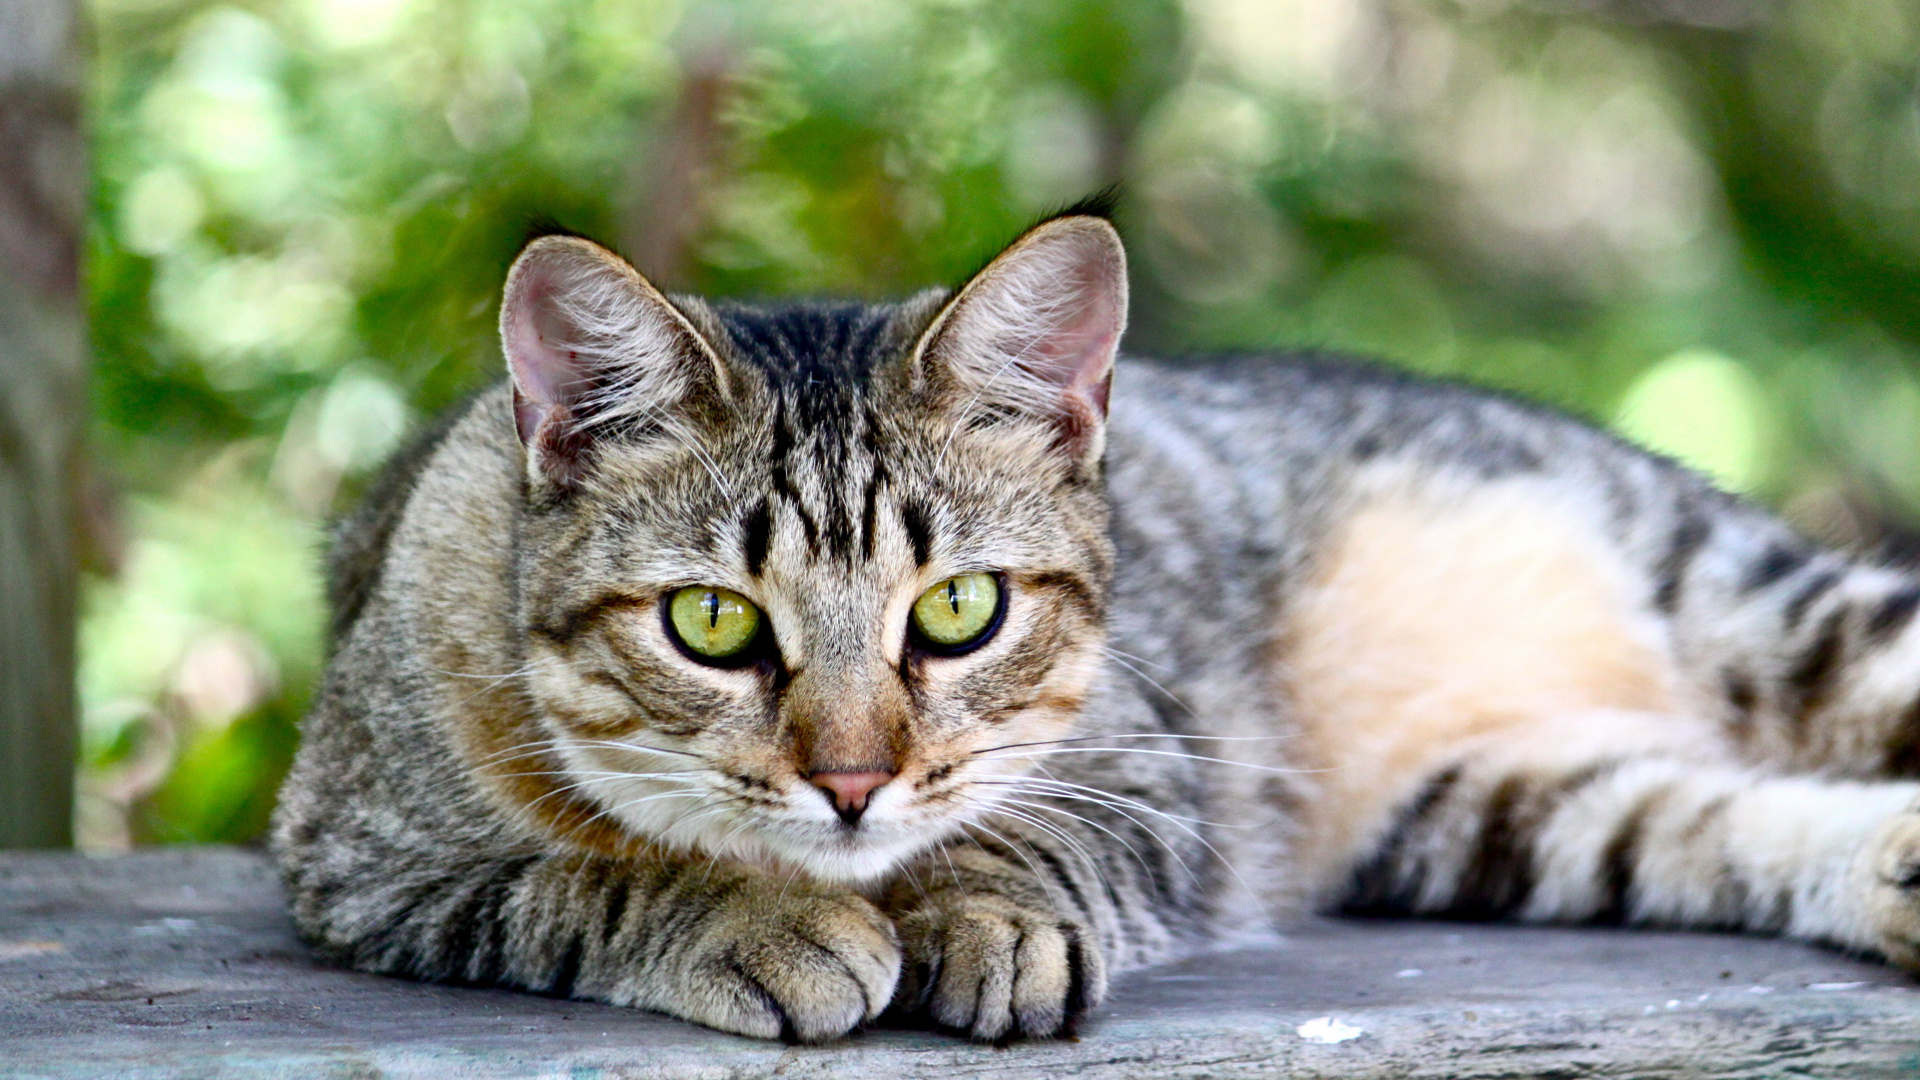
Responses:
[1281,632]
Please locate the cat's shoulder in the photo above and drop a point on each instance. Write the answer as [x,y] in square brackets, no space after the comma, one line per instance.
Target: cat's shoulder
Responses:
[358,545]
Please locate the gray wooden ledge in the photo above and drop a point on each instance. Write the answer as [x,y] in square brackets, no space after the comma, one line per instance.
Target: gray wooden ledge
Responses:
[180,963]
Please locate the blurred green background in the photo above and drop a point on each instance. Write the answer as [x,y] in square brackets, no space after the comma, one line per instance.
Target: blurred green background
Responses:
[1695,220]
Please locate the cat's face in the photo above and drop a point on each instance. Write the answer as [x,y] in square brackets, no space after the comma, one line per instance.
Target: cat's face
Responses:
[792,579]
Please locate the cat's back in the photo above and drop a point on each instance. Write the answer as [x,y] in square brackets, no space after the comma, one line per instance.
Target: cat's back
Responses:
[1260,449]
[1310,413]
[1233,480]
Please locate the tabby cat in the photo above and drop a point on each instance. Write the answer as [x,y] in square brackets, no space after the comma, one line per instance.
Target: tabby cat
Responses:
[777,667]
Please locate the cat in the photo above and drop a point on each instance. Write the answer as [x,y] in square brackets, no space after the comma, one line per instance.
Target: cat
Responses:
[777,667]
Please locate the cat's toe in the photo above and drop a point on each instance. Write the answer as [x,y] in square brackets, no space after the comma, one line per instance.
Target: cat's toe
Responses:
[1893,890]
[805,969]
[997,971]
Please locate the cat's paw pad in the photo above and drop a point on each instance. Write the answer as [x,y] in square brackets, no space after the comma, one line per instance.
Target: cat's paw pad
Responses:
[1893,890]
[996,971]
[800,967]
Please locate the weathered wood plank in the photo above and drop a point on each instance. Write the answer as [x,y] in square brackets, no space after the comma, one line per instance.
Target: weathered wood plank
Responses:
[180,964]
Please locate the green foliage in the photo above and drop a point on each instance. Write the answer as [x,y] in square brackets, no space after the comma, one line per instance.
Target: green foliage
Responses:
[303,209]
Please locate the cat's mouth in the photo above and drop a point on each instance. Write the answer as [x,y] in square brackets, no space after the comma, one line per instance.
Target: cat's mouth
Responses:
[785,827]
[899,824]
[850,853]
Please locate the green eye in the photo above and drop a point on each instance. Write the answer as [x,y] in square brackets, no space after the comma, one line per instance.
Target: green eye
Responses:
[718,624]
[958,612]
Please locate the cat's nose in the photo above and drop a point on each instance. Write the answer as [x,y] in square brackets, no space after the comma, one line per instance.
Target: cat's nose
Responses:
[849,790]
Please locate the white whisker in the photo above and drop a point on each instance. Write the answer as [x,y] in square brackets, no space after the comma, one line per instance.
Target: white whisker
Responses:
[1111,651]
[1117,799]
[1151,681]
[1131,850]
[1114,803]
[1072,843]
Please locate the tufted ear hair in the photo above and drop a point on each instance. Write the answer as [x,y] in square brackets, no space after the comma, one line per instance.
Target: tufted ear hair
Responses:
[591,344]
[1036,332]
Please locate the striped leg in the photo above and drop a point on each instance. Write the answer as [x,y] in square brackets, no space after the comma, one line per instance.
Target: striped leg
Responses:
[1014,929]
[993,948]
[1525,832]
[711,943]
[1814,659]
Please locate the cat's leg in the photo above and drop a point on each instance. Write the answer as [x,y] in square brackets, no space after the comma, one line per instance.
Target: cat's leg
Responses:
[993,948]
[1093,864]
[1498,724]
[1012,930]
[1558,823]
[1808,659]
[716,944]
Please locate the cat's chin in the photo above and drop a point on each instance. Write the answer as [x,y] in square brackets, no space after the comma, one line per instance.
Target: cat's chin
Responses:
[820,848]
[854,859]
[856,868]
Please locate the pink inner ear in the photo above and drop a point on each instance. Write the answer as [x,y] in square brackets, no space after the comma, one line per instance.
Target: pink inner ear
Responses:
[526,416]
[587,340]
[546,377]
[1079,354]
[1055,305]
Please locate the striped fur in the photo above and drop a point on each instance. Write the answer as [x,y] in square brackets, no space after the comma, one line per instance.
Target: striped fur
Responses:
[1283,633]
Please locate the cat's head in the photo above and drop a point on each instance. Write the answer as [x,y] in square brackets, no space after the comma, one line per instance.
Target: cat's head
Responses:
[789,577]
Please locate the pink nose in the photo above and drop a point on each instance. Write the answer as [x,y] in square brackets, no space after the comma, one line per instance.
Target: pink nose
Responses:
[849,790]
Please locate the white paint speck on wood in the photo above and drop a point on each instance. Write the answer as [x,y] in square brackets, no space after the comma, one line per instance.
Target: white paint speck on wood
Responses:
[1326,1029]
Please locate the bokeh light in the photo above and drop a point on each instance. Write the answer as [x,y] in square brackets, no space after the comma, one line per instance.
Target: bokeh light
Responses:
[1697,220]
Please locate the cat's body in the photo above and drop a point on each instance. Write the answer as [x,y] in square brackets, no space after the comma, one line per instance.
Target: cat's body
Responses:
[1321,636]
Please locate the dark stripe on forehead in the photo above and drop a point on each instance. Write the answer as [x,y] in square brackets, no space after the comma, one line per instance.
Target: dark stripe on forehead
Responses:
[913,518]
[758,535]
[837,532]
[818,361]
[818,356]
[836,477]
[779,473]
[1811,678]
[1814,589]
[870,510]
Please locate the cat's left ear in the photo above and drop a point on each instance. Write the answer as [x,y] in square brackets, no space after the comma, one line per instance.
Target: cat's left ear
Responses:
[1037,331]
[590,342]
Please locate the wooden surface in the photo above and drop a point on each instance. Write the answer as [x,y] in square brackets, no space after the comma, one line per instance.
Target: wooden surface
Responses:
[180,963]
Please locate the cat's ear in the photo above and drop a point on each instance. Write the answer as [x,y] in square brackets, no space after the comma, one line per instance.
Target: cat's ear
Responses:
[590,342]
[1036,332]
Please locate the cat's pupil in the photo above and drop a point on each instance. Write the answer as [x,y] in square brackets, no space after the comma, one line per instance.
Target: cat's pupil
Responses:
[953,595]
[712,601]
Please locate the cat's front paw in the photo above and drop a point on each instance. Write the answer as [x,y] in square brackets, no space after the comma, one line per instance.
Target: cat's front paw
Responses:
[1892,873]
[794,964]
[986,966]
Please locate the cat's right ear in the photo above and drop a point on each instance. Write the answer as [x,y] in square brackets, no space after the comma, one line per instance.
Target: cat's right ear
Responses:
[1035,334]
[590,342]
